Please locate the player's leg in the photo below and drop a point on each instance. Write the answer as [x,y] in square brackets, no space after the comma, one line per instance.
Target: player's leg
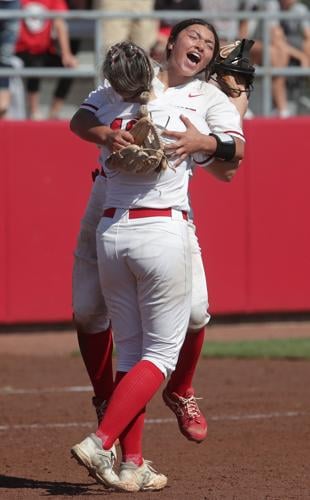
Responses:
[90,312]
[130,433]
[181,379]
[179,394]
[163,324]
[147,351]
[132,464]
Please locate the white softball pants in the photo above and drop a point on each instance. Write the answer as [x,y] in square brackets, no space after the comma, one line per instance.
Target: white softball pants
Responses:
[145,276]
[199,316]
[90,311]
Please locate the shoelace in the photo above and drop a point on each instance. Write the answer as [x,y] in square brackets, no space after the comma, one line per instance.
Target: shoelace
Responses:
[129,465]
[191,407]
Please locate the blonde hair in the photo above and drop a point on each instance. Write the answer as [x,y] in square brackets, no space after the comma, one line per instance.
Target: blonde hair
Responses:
[129,70]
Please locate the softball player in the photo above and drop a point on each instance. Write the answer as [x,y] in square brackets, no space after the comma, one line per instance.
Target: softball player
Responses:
[160,351]
[93,329]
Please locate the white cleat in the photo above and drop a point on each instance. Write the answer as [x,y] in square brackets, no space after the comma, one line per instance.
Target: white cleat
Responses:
[140,478]
[98,462]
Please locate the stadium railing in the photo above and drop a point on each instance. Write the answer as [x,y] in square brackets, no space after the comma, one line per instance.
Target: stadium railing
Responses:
[265,71]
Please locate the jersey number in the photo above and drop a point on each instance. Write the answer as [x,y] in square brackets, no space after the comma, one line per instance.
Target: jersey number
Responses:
[119,123]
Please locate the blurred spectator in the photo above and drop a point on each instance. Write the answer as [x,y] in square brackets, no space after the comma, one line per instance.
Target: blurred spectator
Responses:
[64,84]
[228,29]
[278,52]
[8,34]
[296,31]
[17,108]
[141,31]
[167,23]
[157,51]
[296,40]
[36,47]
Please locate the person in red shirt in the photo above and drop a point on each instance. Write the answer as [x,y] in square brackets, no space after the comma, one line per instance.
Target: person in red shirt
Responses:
[35,46]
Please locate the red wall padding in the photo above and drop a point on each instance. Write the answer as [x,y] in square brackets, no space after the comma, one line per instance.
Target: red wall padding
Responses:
[254,232]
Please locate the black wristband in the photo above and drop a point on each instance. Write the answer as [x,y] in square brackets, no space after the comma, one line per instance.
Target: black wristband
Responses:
[225,146]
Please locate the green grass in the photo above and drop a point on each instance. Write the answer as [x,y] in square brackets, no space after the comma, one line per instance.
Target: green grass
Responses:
[255,349]
[268,349]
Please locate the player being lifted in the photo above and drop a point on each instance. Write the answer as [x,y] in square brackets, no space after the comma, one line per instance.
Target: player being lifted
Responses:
[191,48]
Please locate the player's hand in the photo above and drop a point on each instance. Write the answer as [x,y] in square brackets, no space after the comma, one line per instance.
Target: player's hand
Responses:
[118,139]
[241,103]
[185,143]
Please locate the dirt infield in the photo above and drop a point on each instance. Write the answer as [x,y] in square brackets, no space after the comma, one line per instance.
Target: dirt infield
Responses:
[259,428]
[64,342]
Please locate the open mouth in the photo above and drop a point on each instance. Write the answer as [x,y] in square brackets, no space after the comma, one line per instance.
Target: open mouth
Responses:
[194,57]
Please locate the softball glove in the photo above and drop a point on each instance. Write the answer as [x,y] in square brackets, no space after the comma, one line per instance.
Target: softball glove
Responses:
[234,72]
[145,156]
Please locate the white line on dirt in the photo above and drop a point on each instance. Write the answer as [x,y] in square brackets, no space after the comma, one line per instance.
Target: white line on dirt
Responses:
[7,390]
[156,421]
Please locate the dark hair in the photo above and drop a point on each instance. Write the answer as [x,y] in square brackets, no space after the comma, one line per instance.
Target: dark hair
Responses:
[128,69]
[177,28]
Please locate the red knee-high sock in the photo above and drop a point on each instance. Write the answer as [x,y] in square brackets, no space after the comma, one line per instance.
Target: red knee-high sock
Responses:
[129,397]
[131,438]
[96,350]
[181,379]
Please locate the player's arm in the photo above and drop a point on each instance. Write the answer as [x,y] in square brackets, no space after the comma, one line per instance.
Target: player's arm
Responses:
[222,152]
[226,170]
[86,125]
[192,141]
[223,170]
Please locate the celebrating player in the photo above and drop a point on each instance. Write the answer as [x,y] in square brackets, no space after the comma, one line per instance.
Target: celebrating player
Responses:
[192,47]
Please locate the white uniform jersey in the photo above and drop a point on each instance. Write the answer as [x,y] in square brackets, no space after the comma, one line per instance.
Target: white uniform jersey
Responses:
[204,104]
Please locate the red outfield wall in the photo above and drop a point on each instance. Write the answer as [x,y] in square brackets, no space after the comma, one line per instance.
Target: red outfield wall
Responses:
[254,232]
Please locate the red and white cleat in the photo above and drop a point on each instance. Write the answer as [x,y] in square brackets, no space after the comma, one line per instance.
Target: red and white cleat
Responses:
[192,423]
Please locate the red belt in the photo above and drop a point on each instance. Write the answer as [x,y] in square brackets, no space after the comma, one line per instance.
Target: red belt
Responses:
[137,213]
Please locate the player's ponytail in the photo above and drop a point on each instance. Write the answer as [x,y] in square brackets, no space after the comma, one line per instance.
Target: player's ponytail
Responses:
[129,71]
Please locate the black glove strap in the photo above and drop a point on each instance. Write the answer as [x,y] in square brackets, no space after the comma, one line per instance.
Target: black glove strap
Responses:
[226,146]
